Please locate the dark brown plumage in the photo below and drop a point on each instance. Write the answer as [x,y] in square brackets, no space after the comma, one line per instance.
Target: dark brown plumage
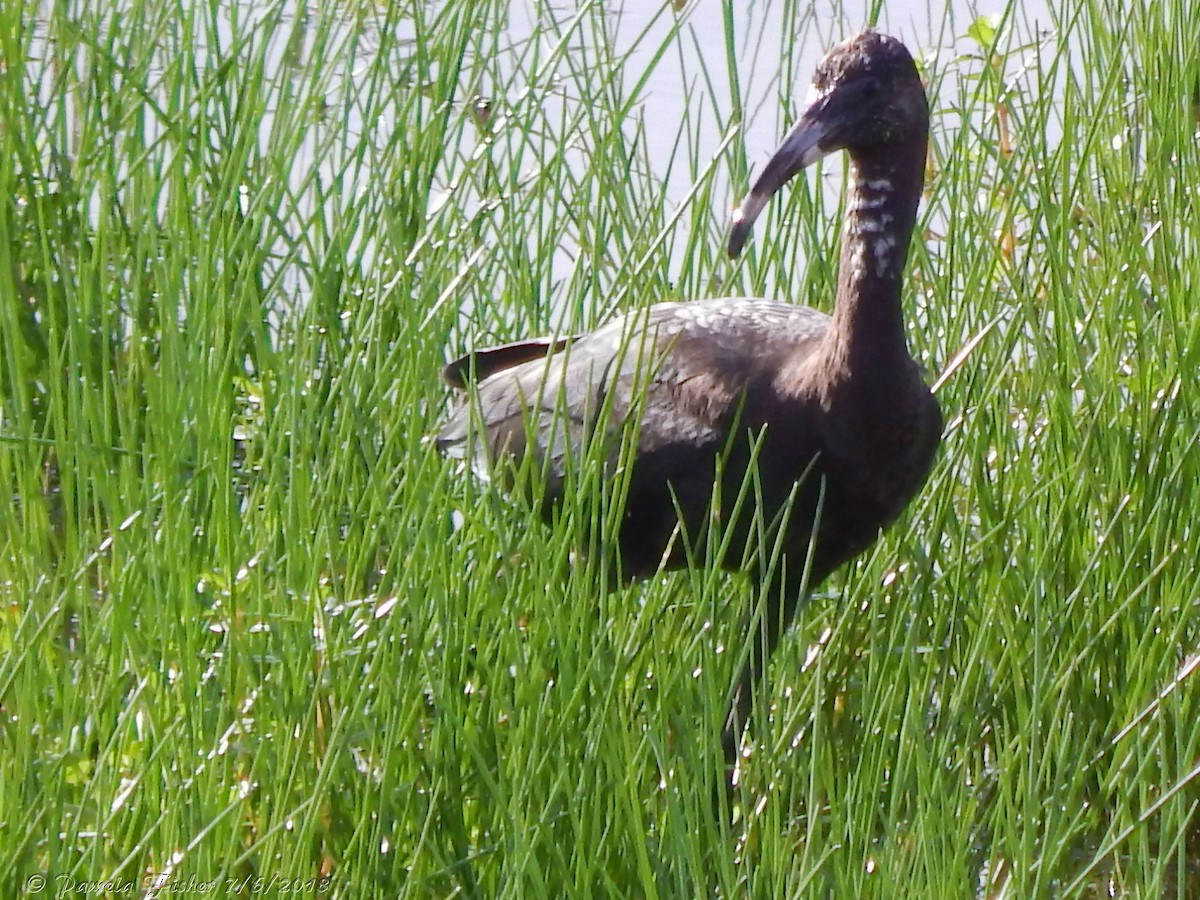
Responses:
[845,428]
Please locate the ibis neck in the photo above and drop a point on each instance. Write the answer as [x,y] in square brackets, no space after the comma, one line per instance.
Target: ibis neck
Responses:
[881,213]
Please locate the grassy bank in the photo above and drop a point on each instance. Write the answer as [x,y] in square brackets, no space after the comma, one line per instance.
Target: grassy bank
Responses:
[253,627]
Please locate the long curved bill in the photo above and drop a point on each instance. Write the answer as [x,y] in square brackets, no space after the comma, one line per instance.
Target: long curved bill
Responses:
[802,147]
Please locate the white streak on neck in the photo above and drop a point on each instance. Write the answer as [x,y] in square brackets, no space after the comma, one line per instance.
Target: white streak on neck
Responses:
[868,228]
[862,201]
[882,248]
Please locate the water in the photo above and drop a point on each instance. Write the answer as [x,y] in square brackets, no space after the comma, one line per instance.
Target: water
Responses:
[774,48]
[749,57]
[730,82]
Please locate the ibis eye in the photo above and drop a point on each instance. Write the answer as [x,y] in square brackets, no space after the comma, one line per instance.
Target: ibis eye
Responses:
[869,89]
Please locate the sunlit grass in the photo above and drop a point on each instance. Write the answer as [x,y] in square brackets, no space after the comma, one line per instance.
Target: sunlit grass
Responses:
[254,627]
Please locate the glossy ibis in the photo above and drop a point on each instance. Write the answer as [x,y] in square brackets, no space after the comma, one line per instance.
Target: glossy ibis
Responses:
[832,410]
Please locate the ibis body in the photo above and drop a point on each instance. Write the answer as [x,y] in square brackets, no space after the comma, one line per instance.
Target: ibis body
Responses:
[822,424]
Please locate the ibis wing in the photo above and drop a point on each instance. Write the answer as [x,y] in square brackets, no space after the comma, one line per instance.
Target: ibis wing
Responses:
[675,372]
[478,365]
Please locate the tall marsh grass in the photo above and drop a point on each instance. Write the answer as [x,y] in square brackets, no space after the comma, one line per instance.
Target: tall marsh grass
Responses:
[254,629]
